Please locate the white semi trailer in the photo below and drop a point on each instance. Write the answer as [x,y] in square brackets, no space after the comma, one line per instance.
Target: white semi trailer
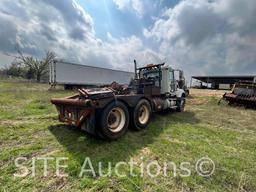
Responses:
[75,75]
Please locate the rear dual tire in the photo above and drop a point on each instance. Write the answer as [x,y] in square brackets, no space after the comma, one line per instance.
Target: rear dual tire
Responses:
[115,118]
[114,121]
[141,115]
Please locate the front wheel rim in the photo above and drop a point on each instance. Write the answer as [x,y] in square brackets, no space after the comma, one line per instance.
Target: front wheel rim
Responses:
[143,114]
[116,119]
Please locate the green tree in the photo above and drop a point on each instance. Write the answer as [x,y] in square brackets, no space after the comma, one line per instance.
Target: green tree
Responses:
[15,69]
[37,68]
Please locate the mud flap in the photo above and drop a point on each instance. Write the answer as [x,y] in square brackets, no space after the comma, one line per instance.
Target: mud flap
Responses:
[88,124]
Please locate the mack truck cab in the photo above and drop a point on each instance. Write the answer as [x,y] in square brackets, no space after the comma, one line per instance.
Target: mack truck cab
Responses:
[163,77]
[108,112]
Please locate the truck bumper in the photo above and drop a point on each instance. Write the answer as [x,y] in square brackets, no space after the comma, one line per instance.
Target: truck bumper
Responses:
[73,111]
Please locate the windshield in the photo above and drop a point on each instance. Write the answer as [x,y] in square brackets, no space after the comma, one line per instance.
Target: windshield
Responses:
[153,75]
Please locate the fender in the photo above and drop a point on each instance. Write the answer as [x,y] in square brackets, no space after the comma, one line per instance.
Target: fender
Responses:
[180,93]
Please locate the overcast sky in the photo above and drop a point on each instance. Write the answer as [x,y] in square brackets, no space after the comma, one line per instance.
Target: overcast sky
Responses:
[199,36]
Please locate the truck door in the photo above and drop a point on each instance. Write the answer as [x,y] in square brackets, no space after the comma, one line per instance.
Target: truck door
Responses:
[172,80]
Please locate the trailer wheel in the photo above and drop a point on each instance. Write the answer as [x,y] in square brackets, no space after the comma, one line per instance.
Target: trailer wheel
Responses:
[141,115]
[181,104]
[114,120]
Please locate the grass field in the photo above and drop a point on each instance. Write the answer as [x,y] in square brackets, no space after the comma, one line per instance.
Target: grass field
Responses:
[29,128]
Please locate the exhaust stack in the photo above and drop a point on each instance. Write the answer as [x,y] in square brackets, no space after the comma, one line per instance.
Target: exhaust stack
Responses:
[135,70]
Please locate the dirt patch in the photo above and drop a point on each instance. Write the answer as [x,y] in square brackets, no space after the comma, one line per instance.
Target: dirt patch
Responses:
[145,151]
[198,101]
[207,92]
[11,123]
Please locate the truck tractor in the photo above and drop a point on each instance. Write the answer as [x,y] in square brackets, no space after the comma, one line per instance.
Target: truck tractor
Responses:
[107,112]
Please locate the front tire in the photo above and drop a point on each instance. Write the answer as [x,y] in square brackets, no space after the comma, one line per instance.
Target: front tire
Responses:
[141,115]
[181,104]
[114,121]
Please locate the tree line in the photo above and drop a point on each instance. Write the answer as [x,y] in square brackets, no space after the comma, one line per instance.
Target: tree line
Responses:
[29,67]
